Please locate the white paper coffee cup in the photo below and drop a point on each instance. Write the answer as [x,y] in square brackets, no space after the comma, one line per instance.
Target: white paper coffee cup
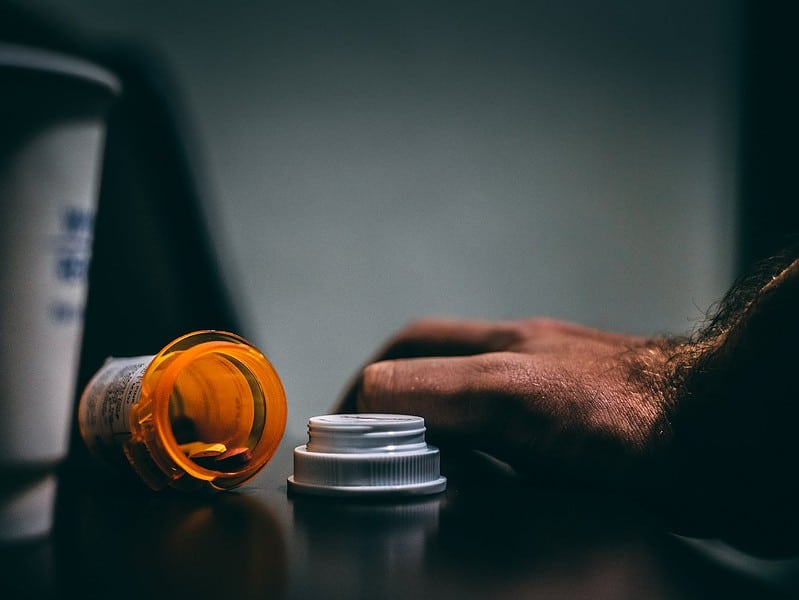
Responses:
[52,132]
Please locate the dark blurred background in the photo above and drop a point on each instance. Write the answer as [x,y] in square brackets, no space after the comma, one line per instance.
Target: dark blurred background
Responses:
[315,174]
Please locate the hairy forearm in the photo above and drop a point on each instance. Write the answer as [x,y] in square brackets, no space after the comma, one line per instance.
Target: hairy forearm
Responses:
[736,442]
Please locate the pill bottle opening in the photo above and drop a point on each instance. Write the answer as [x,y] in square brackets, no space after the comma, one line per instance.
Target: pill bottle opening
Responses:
[219,406]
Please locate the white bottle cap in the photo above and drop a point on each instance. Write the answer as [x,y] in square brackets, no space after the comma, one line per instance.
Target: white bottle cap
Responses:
[366,454]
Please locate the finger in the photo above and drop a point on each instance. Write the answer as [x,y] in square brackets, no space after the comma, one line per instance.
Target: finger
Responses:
[437,337]
[467,398]
[450,337]
[540,332]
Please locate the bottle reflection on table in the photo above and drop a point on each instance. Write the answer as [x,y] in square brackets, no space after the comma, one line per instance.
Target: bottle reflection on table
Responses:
[127,542]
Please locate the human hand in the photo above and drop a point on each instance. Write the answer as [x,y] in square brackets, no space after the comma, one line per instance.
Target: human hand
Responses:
[542,395]
[702,427]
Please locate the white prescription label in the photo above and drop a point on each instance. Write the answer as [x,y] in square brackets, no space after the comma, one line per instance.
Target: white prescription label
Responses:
[104,412]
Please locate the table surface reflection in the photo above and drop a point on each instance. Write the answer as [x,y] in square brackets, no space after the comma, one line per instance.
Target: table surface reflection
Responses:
[487,536]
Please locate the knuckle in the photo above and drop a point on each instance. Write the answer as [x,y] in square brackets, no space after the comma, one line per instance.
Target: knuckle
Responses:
[376,381]
[509,335]
[417,326]
[410,332]
[540,325]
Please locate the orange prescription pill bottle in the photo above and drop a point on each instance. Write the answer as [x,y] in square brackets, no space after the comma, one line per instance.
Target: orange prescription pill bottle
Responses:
[208,410]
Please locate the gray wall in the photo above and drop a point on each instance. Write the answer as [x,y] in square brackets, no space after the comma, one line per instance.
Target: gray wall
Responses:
[373,163]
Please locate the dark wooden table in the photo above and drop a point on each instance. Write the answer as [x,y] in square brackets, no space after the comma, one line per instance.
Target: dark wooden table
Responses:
[487,536]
